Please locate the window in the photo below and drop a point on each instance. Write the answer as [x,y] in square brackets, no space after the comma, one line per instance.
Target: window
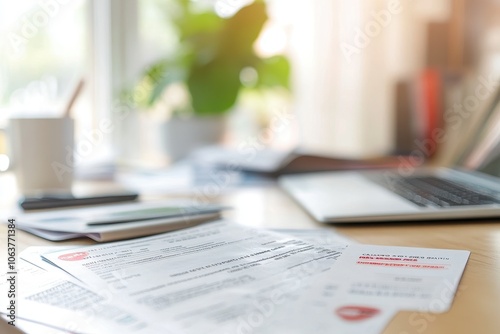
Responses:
[43,53]
[43,48]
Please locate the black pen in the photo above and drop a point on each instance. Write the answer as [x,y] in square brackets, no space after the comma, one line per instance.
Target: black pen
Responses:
[51,201]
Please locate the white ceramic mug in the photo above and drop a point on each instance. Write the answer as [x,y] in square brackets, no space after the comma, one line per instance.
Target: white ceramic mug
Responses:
[4,159]
[41,153]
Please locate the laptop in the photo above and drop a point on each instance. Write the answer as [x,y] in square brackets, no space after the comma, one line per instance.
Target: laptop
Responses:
[387,195]
[472,190]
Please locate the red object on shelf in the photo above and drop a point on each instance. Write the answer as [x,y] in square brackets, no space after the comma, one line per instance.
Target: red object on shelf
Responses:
[430,108]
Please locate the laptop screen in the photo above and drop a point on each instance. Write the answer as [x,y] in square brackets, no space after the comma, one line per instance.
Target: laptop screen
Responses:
[493,167]
[482,152]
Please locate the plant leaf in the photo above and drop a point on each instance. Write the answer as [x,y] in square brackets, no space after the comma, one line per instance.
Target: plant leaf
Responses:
[273,71]
[214,87]
[175,74]
[161,75]
[200,23]
[241,31]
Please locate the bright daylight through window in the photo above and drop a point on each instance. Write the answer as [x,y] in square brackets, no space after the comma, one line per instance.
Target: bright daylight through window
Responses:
[43,53]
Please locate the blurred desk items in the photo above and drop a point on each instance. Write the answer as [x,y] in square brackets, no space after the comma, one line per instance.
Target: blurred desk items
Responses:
[215,170]
[274,162]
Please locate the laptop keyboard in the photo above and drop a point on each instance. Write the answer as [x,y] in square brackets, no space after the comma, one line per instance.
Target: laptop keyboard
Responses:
[433,191]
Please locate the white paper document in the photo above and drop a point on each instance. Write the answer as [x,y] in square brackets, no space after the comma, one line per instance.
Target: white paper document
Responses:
[320,237]
[369,284]
[419,279]
[67,305]
[222,277]
[211,278]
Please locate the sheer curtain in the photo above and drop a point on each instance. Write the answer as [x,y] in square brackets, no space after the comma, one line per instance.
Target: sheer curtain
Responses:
[344,84]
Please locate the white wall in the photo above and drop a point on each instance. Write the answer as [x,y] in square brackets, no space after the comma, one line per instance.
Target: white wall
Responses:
[345,103]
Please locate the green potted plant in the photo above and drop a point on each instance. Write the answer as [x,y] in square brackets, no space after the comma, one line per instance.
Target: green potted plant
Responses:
[212,55]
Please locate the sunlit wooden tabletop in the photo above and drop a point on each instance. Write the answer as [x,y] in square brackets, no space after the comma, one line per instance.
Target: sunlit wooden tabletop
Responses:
[476,308]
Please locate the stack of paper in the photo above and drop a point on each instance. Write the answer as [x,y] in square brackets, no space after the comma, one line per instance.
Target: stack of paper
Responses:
[222,277]
[117,222]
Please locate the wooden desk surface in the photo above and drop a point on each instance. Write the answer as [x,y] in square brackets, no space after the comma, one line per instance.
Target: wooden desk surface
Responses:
[476,307]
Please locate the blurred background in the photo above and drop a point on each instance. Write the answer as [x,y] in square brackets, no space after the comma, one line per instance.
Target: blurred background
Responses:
[350,78]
